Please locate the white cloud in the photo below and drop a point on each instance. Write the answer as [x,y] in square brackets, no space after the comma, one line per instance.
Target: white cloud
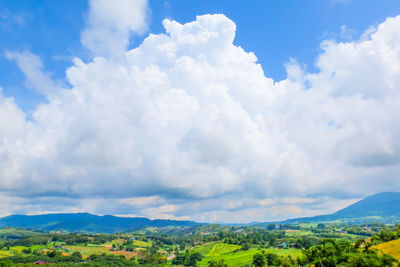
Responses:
[32,67]
[111,23]
[187,124]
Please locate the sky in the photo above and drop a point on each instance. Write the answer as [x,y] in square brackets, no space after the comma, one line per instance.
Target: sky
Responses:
[214,111]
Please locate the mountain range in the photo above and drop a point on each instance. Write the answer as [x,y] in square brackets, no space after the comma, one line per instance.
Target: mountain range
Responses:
[85,222]
[382,207]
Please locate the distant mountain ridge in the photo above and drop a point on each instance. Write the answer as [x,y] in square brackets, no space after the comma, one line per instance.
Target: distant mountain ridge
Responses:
[85,222]
[382,206]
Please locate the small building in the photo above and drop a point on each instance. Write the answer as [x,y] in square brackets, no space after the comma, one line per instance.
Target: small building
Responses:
[171,257]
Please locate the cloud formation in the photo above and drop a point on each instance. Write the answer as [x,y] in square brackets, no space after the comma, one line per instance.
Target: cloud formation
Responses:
[111,23]
[187,125]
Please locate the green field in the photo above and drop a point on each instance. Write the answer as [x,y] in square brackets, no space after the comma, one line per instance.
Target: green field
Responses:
[4,253]
[232,254]
[204,249]
[392,248]
[17,250]
[88,250]
[7,232]
[296,233]
[221,249]
[142,244]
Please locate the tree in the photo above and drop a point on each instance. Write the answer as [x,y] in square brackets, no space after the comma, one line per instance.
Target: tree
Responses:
[273,259]
[246,246]
[215,263]
[259,260]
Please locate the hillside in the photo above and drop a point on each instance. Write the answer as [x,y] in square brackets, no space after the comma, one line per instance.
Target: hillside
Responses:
[85,222]
[381,204]
[383,207]
[391,248]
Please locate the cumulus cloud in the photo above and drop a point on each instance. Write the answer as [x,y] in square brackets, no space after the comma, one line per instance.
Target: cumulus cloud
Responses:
[111,23]
[188,125]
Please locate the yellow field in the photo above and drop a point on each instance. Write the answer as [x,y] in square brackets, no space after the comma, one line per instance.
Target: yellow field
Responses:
[392,248]
[142,244]
[4,253]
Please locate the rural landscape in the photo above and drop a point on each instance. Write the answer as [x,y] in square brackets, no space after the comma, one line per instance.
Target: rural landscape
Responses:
[202,133]
[362,234]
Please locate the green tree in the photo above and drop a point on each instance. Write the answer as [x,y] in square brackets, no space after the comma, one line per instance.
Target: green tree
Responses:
[259,260]
[219,263]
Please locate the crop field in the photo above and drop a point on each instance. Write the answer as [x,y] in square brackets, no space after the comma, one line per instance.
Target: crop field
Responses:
[232,259]
[238,258]
[5,253]
[232,254]
[296,233]
[204,249]
[88,250]
[222,248]
[17,250]
[392,248]
[142,244]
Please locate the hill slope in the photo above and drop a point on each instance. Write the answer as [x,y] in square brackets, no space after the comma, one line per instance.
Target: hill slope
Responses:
[85,222]
[383,206]
[391,248]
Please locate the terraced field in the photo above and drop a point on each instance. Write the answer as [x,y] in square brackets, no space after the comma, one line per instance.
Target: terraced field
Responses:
[392,248]
[232,254]
[204,249]
[221,249]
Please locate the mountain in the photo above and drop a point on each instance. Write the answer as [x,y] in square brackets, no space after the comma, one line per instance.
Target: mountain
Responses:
[381,204]
[85,222]
[383,207]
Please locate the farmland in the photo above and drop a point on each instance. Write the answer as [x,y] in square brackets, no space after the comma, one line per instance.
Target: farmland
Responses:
[391,248]
[208,245]
[234,256]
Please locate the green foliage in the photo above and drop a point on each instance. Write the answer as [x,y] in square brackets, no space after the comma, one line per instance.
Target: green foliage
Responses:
[259,260]
[217,263]
[335,253]
[187,259]
[27,251]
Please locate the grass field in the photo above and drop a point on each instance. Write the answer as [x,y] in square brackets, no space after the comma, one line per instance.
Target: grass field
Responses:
[241,258]
[4,253]
[298,233]
[232,254]
[232,259]
[222,248]
[88,250]
[204,249]
[392,248]
[17,250]
[142,244]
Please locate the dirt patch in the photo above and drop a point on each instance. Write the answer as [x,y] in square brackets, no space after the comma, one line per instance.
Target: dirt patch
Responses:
[128,254]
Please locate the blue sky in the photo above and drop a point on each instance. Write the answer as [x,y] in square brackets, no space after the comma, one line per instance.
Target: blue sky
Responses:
[232,111]
[274,30]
